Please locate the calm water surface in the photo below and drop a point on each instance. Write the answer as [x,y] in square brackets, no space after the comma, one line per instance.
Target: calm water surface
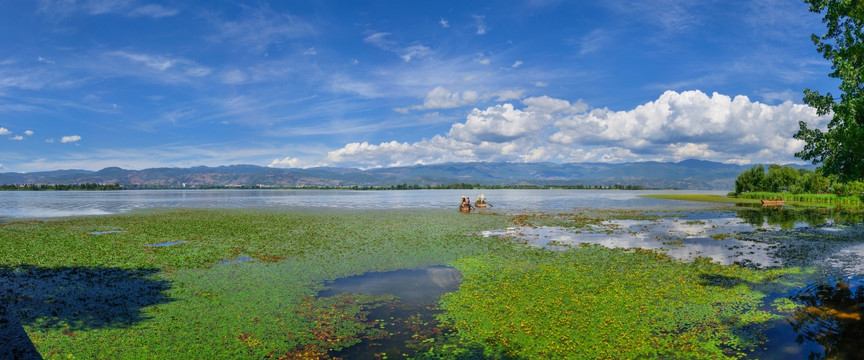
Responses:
[39,204]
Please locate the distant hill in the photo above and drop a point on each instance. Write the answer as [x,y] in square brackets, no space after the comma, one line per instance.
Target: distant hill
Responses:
[688,174]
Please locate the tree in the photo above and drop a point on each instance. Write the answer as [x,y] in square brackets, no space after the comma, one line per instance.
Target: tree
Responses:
[841,148]
[780,178]
[750,180]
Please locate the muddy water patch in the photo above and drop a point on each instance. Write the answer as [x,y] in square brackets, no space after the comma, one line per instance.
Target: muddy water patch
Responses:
[404,324]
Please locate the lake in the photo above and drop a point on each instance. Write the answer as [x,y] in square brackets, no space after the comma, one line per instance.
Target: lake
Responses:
[725,234]
[41,204]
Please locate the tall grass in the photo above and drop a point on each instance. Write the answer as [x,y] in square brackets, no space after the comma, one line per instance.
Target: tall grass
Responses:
[806,198]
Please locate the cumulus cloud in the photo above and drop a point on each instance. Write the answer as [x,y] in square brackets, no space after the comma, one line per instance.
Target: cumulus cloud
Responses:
[287,162]
[676,126]
[499,123]
[545,104]
[28,132]
[70,139]
[4,131]
[17,137]
[444,23]
[441,98]
[692,124]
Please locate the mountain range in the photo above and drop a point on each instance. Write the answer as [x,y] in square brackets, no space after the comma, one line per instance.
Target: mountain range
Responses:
[688,174]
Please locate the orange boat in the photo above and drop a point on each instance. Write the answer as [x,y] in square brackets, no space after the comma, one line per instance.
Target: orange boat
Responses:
[774,203]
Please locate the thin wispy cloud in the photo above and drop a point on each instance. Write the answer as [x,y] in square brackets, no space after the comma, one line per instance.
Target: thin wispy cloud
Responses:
[64,8]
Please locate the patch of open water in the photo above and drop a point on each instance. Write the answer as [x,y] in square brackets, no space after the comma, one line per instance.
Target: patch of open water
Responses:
[408,320]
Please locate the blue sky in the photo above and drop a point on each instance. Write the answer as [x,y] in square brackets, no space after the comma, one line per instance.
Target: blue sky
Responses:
[88,84]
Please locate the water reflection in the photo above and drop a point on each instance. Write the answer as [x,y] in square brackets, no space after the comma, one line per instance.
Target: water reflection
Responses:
[36,204]
[679,238]
[791,218]
[413,286]
[406,321]
[830,314]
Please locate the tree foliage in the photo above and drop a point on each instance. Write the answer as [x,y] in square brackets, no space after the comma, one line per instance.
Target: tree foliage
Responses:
[796,181]
[840,149]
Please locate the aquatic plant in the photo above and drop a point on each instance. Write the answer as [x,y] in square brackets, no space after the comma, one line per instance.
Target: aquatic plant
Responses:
[254,309]
[594,302]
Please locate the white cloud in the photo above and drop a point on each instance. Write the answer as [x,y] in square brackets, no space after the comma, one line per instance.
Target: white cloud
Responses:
[28,132]
[153,10]
[545,104]
[444,23]
[17,137]
[441,98]
[507,95]
[287,162]
[70,139]
[516,64]
[161,63]
[259,27]
[128,8]
[481,59]
[540,84]
[676,126]
[414,51]
[480,23]
[151,67]
[234,77]
[594,41]
[4,131]
[406,53]
[310,52]
[499,123]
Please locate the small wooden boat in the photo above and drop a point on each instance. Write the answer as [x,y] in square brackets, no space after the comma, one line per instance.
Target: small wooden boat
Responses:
[480,204]
[774,202]
[465,208]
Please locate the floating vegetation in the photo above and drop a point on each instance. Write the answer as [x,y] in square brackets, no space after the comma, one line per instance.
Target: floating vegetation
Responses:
[594,302]
[246,283]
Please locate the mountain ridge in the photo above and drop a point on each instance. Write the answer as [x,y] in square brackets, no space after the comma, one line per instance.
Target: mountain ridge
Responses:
[686,174]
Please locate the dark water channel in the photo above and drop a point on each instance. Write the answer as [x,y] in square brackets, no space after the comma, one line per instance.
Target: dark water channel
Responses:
[409,319]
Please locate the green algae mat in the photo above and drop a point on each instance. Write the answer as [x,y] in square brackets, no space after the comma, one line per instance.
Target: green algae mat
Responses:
[244,284]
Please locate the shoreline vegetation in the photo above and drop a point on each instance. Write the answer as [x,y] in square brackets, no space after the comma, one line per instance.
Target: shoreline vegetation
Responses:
[404,186]
[755,198]
[193,300]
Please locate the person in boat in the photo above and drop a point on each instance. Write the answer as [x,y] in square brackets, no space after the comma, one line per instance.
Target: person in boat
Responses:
[466,202]
[481,199]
